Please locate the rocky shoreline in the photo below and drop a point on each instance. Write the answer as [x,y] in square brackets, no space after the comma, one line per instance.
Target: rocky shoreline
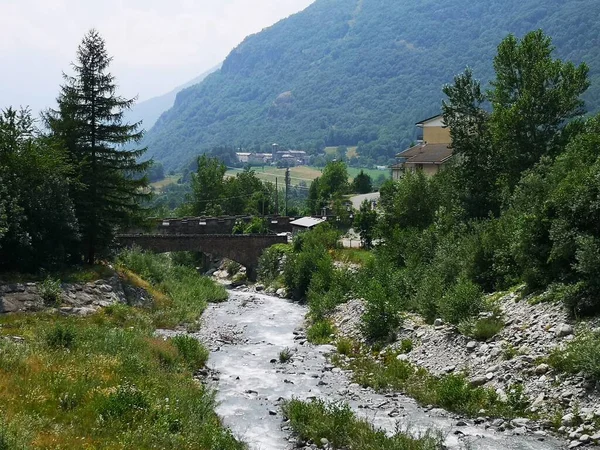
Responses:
[78,299]
[515,355]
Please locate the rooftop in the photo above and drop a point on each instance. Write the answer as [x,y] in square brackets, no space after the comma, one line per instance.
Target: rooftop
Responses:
[307,222]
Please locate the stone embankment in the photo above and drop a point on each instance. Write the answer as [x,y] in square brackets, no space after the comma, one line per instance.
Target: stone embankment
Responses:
[80,299]
[516,355]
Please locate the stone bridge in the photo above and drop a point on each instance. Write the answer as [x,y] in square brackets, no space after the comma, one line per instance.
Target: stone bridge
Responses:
[244,249]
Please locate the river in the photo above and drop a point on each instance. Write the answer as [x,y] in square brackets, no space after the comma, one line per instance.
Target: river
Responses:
[246,333]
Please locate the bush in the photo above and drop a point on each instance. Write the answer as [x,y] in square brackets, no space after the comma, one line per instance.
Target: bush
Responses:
[482,329]
[320,332]
[233,268]
[191,351]
[300,267]
[382,317]
[61,336]
[285,355]
[406,346]
[127,399]
[344,346]
[461,301]
[271,262]
[582,354]
[50,291]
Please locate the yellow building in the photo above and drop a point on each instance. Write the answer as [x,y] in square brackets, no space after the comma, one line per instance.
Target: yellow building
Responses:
[430,153]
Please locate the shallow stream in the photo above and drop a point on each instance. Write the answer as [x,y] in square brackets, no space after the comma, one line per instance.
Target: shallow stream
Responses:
[247,333]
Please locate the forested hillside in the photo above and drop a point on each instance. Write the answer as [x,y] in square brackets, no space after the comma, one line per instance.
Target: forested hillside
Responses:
[347,72]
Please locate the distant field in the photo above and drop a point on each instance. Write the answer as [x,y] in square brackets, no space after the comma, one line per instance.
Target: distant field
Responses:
[297,174]
[351,153]
[159,185]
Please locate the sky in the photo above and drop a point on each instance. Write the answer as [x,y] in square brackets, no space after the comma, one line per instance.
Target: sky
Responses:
[156,45]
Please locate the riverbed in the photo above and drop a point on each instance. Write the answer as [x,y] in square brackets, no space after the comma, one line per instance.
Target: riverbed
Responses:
[245,336]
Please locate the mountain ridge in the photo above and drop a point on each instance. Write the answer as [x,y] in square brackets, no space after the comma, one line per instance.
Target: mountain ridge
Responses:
[348,72]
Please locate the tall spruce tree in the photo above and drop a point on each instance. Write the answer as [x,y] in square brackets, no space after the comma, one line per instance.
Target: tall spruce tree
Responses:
[89,121]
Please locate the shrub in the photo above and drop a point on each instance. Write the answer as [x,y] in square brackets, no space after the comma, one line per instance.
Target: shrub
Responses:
[191,351]
[300,267]
[462,301]
[233,268]
[320,332]
[61,336]
[406,346]
[344,346]
[271,262]
[381,317]
[126,399]
[482,329]
[582,354]
[50,291]
[285,355]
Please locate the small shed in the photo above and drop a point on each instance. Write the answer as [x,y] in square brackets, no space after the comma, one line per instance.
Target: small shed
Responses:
[305,223]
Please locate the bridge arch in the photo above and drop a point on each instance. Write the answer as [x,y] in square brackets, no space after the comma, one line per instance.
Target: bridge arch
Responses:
[244,249]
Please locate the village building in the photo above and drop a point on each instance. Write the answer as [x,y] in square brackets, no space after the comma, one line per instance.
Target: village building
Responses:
[430,154]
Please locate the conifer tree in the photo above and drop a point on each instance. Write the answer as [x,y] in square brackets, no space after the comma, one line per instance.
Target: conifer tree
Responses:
[89,121]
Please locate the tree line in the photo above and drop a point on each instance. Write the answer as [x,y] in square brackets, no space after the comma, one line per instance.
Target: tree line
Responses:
[68,184]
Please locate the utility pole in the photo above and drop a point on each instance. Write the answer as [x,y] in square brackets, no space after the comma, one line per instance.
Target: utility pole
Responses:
[276,198]
[287,186]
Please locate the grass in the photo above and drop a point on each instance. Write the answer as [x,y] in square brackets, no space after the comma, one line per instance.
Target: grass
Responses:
[452,392]
[180,294]
[107,380]
[582,354]
[353,255]
[161,184]
[337,423]
[320,332]
[103,381]
[285,355]
[482,329]
[298,174]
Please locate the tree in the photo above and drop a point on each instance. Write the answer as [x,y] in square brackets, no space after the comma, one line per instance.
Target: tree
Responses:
[334,180]
[533,98]
[476,158]
[38,227]
[89,121]
[207,186]
[362,183]
[365,222]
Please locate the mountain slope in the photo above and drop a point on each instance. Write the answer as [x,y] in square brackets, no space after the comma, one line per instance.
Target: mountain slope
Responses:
[150,110]
[347,72]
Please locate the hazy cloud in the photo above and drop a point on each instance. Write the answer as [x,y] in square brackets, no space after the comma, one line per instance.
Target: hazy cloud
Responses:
[156,45]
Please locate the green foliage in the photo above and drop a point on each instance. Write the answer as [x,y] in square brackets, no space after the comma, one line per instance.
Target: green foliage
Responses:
[334,95]
[61,336]
[38,227]
[119,385]
[406,346]
[336,422]
[483,329]
[362,183]
[320,332]
[344,346]
[582,354]
[215,194]
[270,264]
[89,122]
[285,355]
[365,223]
[191,350]
[50,291]
[181,294]
[463,300]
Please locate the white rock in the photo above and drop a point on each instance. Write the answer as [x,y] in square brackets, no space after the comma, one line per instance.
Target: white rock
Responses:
[402,357]
[565,330]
